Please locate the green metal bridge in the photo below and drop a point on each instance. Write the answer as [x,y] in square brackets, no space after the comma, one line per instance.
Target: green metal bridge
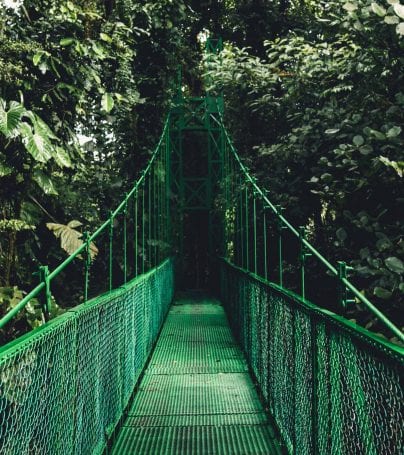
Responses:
[255,365]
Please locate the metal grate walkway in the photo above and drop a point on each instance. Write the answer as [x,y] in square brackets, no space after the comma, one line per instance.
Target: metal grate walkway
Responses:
[196,396]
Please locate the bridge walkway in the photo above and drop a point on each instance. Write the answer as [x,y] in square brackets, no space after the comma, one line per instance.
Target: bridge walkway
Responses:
[196,396]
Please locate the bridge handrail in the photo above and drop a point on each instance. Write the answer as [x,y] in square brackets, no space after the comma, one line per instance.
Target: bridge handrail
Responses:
[371,307]
[34,292]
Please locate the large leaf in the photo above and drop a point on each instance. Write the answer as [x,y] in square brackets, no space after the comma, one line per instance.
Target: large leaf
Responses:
[394,264]
[107,102]
[44,182]
[70,239]
[40,126]
[379,10]
[394,132]
[62,158]
[10,119]
[382,293]
[399,10]
[36,144]
[400,28]
[349,6]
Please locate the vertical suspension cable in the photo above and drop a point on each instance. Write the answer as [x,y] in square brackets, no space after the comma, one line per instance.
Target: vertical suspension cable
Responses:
[255,232]
[247,230]
[167,185]
[241,222]
[265,208]
[111,238]
[280,248]
[125,239]
[158,230]
[136,231]
[155,208]
[149,225]
[143,227]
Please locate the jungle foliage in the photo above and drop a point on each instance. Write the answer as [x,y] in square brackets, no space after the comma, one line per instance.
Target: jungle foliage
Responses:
[314,99]
[319,116]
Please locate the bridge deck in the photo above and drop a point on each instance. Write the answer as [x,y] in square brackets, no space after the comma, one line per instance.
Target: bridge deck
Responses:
[196,396]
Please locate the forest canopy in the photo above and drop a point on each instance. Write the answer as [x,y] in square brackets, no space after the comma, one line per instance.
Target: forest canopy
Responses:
[314,99]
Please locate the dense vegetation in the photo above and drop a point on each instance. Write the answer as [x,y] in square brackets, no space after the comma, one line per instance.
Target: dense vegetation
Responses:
[314,99]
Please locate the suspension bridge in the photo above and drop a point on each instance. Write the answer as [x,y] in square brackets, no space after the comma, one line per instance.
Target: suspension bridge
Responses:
[257,364]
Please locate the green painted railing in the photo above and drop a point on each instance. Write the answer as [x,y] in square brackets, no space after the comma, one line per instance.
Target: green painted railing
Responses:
[65,385]
[332,386]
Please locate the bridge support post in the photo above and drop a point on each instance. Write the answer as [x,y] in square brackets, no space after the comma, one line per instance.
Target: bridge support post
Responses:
[266,207]
[281,227]
[87,264]
[304,254]
[344,298]
[43,274]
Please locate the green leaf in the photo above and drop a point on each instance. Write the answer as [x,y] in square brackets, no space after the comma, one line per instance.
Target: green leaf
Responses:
[44,182]
[383,244]
[378,135]
[99,51]
[66,41]
[400,28]
[5,170]
[358,140]
[35,144]
[382,293]
[74,223]
[107,102]
[394,264]
[62,158]
[398,166]
[70,239]
[394,132]
[332,131]
[40,126]
[365,149]
[341,234]
[105,37]
[350,7]
[37,58]
[399,10]
[391,20]
[379,10]
[10,120]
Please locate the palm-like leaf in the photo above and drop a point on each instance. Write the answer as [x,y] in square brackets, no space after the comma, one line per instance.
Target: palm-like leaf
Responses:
[70,239]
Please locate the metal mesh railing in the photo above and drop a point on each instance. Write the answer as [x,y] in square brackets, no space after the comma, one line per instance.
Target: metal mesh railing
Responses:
[332,388]
[63,387]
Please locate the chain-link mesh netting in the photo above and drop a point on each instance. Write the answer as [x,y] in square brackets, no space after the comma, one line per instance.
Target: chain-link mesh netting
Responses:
[331,388]
[63,387]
